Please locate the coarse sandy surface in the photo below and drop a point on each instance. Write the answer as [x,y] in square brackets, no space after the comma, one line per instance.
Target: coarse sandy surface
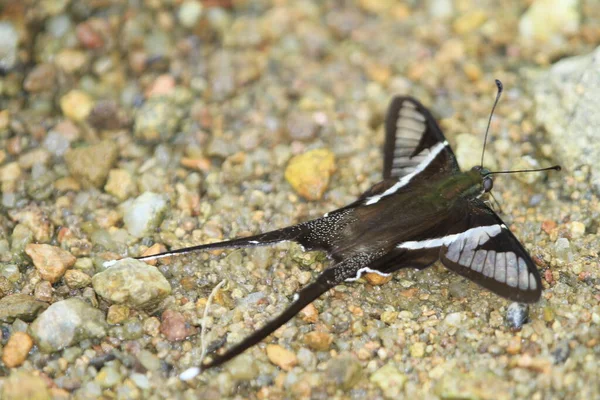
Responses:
[129,127]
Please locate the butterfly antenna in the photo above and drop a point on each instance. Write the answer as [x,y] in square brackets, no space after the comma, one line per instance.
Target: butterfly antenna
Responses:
[500,89]
[554,167]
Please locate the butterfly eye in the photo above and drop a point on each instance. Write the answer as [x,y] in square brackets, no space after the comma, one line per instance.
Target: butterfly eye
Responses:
[488,184]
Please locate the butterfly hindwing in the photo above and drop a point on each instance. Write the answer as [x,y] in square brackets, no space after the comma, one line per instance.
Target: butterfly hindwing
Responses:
[414,143]
[486,252]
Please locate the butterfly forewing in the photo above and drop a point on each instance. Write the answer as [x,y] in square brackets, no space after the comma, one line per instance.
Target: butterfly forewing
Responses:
[489,254]
[414,143]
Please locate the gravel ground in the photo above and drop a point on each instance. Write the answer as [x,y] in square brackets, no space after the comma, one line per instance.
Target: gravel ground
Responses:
[127,128]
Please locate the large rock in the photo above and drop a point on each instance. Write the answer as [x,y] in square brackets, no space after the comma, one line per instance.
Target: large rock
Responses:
[133,283]
[67,323]
[566,98]
[21,306]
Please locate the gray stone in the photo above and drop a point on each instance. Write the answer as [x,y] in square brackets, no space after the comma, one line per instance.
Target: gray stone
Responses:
[20,306]
[144,214]
[9,41]
[66,323]
[157,120]
[566,100]
[133,283]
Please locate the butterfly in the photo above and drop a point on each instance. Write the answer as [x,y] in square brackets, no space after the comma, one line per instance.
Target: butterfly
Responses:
[425,209]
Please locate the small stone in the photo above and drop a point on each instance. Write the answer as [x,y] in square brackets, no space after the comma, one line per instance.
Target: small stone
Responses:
[301,126]
[174,326]
[76,105]
[320,341]
[143,214]
[108,377]
[16,350]
[120,184]
[9,43]
[310,314]
[157,119]
[25,385]
[50,261]
[189,13]
[377,279]
[132,283]
[417,349]
[117,314]
[151,326]
[41,78]
[547,20]
[242,368]
[469,22]
[514,346]
[91,165]
[454,320]
[71,60]
[388,317]
[309,173]
[516,315]
[390,380]
[66,323]
[577,229]
[20,306]
[43,291]
[281,357]
[344,372]
[77,279]
[148,360]
[562,249]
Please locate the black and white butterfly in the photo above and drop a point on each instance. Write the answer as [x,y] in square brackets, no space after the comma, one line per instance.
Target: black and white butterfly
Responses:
[425,209]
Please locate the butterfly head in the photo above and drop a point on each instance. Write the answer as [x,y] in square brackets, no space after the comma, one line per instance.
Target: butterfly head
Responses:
[487,183]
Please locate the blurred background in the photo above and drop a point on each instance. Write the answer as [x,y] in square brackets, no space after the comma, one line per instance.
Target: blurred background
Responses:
[130,127]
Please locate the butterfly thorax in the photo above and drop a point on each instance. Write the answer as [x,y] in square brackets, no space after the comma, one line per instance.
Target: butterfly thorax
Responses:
[469,184]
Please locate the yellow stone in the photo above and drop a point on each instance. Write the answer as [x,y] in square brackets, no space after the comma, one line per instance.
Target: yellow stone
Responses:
[281,357]
[76,105]
[309,173]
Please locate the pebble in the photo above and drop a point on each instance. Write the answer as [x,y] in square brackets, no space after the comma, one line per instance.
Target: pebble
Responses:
[76,105]
[309,313]
[174,326]
[320,341]
[148,360]
[189,13]
[517,315]
[243,368]
[36,221]
[562,249]
[390,380]
[16,349]
[281,357]
[50,261]
[301,126]
[120,183]
[417,349]
[157,120]
[117,314]
[547,20]
[132,283]
[377,279]
[343,372]
[309,173]
[9,42]
[144,214]
[25,385]
[41,78]
[577,229]
[20,306]
[66,323]
[90,165]
[468,22]
[108,377]
[76,279]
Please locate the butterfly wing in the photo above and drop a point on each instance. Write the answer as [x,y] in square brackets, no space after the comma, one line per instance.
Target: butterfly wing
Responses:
[486,252]
[414,143]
